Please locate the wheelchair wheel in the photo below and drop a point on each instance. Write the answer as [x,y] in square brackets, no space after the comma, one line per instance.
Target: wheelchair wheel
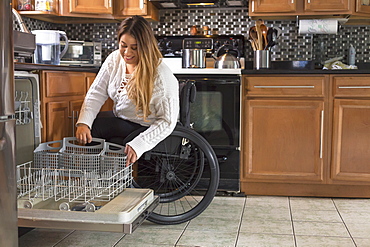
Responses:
[183,171]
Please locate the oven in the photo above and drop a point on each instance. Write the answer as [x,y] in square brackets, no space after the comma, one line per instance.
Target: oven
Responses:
[215,115]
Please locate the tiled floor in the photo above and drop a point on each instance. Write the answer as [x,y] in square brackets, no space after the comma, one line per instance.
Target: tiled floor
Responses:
[238,221]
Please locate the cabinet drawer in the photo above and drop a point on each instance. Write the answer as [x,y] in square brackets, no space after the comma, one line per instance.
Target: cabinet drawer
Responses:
[358,86]
[64,84]
[285,86]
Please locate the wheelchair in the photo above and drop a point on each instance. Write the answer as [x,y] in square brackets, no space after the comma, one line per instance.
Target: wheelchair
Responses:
[182,170]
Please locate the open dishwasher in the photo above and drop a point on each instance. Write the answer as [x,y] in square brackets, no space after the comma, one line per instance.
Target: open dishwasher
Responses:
[68,186]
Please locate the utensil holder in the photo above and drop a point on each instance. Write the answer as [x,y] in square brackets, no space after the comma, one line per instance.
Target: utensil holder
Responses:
[262,59]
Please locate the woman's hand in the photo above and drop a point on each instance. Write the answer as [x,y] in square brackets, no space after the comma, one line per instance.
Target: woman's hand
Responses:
[131,155]
[83,134]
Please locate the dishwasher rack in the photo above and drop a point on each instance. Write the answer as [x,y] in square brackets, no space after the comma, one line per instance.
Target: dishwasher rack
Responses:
[68,172]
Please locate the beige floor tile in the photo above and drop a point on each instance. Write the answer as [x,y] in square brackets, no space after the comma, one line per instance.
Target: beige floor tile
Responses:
[201,223]
[319,241]
[208,239]
[150,225]
[275,201]
[43,237]
[362,242]
[360,217]
[229,212]
[352,204]
[311,203]
[316,215]
[228,201]
[265,240]
[266,226]
[90,238]
[266,212]
[359,230]
[151,237]
[314,228]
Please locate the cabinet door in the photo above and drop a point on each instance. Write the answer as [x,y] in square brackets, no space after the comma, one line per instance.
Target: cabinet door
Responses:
[327,5]
[108,105]
[351,141]
[90,6]
[57,121]
[272,6]
[363,6]
[132,7]
[283,141]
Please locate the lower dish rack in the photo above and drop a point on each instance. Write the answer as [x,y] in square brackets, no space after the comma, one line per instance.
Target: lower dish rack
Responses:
[69,183]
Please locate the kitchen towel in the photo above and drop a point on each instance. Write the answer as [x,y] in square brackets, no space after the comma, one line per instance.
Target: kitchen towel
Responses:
[318,26]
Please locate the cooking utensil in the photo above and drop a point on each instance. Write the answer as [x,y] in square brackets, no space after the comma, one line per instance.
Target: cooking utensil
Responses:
[271,37]
[259,34]
[253,37]
[264,31]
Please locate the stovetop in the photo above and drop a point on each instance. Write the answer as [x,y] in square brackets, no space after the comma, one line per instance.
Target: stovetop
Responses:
[175,64]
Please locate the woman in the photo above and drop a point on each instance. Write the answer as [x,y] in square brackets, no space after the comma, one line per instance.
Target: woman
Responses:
[143,89]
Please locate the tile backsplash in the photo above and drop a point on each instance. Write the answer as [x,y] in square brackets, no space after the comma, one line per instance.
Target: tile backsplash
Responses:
[291,45]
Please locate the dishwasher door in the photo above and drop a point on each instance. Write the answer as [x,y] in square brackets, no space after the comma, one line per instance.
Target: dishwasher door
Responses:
[122,214]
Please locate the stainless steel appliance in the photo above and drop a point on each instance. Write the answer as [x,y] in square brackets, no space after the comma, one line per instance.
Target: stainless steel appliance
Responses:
[82,53]
[8,206]
[215,114]
[194,52]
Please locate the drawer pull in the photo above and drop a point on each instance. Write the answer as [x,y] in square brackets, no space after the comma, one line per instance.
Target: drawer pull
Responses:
[284,86]
[354,87]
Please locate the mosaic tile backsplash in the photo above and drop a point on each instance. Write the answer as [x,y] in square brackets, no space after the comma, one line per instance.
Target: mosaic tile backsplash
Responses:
[290,46]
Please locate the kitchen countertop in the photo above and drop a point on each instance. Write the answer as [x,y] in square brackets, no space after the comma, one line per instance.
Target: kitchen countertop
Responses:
[301,67]
[32,66]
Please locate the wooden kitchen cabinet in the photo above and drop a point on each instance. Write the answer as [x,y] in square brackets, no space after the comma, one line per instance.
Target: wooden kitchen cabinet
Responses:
[90,6]
[84,11]
[306,135]
[285,8]
[62,94]
[351,130]
[125,8]
[283,134]
[363,7]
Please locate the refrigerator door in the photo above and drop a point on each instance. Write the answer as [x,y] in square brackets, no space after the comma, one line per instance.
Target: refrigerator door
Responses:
[8,206]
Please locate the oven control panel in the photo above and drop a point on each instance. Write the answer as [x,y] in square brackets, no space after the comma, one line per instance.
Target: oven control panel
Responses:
[197,43]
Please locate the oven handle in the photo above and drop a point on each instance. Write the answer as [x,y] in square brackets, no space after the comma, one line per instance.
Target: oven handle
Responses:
[216,81]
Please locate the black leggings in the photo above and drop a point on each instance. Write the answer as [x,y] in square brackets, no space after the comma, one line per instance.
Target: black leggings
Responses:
[113,129]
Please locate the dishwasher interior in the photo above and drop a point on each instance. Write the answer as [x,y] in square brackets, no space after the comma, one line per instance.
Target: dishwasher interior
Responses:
[69,186]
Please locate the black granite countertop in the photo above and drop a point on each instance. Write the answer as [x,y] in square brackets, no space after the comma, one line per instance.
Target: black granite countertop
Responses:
[32,66]
[302,67]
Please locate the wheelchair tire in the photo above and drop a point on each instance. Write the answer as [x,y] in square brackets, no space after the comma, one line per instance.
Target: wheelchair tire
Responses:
[183,171]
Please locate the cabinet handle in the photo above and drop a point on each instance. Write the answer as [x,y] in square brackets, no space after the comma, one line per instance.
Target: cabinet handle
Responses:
[252,6]
[110,3]
[292,1]
[321,133]
[284,86]
[359,87]
[308,1]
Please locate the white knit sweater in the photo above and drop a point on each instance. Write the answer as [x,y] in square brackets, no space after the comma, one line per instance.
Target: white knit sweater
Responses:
[164,105]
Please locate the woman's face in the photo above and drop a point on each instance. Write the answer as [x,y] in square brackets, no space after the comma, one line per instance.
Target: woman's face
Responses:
[128,49]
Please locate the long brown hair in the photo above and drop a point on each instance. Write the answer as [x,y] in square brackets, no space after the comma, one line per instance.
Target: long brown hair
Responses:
[140,88]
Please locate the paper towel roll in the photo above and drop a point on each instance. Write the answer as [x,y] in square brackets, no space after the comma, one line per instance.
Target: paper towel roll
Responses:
[318,26]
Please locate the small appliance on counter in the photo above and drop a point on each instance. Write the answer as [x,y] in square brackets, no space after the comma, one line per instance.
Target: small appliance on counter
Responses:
[82,53]
[194,52]
[48,46]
